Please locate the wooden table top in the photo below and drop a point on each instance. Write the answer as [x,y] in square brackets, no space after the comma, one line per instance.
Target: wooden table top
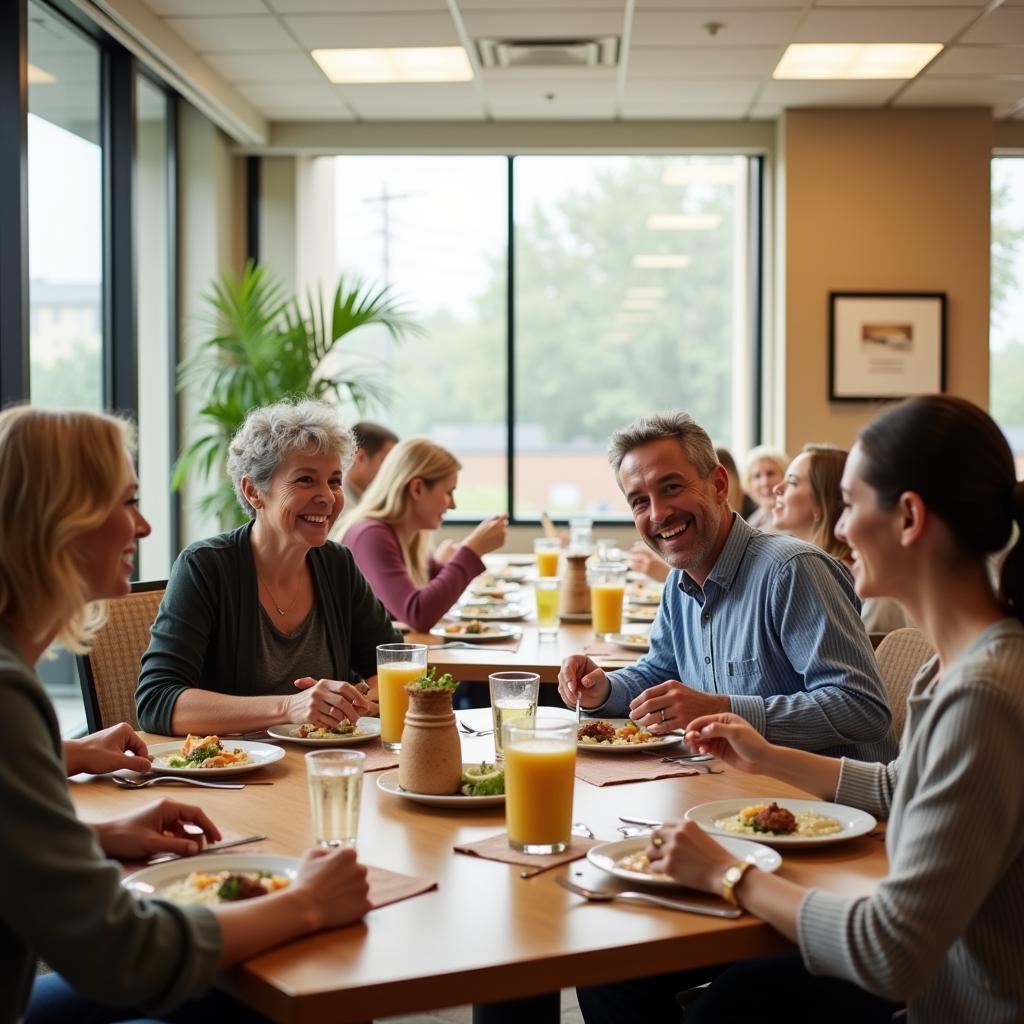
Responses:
[484,934]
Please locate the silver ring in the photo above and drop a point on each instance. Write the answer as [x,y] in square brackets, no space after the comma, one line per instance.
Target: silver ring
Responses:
[657,840]
[663,715]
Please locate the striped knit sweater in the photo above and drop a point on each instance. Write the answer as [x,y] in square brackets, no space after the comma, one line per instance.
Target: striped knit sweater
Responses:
[945,930]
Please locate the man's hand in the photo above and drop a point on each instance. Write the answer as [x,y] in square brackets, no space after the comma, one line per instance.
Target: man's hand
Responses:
[326,702]
[579,675]
[333,885]
[673,705]
[157,828]
[119,746]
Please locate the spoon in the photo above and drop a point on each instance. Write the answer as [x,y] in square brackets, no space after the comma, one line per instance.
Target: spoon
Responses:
[648,897]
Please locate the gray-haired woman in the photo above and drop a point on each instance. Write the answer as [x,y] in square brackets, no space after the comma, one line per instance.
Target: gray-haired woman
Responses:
[270,622]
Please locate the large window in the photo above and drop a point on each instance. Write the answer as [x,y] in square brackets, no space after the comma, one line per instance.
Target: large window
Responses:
[630,279]
[1006,334]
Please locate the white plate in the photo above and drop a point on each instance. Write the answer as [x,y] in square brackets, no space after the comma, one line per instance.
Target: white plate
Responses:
[512,573]
[639,594]
[631,641]
[495,631]
[388,783]
[855,822]
[494,590]
[640,612]
[607,855]
[490,612]
[626,748]
[260,754]
[370,730]
[149,881]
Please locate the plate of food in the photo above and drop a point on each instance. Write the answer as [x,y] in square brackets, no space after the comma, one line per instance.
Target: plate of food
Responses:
[626,859]
[619,736]
[490,612]
[782,821]
[494,589]
[344,734]
[510,573]
[483,785]
[643,593]
[476,631]
[214,878]
[630,641]
[210,756]
[640,612]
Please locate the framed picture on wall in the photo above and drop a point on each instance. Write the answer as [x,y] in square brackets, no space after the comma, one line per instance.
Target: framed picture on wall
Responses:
[886,344]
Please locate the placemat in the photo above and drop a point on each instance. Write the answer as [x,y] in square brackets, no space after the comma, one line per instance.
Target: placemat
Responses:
[612,769]
[604,648]
[391,886]
[497,848]
[377,758]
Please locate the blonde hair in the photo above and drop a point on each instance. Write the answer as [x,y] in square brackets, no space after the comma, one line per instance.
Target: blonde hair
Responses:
[387,497]
[824,473]
[61,475]
[755,455]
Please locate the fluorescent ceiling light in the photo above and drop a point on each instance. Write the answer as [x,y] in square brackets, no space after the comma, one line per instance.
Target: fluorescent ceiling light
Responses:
[640,304]
[640,292]
[683,221]
[700,174]
[403,64]
[661,261]
[37,76]
[825,61]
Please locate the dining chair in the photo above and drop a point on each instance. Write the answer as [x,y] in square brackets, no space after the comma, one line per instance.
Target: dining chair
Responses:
[900,655]
[110,671]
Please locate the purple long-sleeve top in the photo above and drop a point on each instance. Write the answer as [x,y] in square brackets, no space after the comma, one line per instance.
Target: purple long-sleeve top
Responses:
[375,547]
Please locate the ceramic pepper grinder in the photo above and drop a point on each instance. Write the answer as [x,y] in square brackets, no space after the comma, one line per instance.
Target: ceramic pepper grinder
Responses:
[430,760]
[575,592]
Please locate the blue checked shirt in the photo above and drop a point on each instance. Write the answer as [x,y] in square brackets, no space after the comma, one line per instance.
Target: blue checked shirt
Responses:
[776,627]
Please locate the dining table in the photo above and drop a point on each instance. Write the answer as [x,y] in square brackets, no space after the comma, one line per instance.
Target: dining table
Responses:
[484,935]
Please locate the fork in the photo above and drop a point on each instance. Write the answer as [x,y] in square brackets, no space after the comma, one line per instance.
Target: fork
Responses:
[472,730]
[648,897]
[120,780]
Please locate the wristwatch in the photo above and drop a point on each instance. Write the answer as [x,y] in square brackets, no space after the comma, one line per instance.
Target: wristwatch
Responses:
[731,879]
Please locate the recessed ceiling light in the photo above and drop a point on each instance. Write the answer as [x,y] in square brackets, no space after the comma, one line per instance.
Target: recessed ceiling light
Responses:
[661,261]
[402,64]
[37,76]
[683,221]
[825,61]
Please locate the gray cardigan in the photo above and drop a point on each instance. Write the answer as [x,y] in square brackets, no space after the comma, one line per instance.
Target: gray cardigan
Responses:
[945,930]
[205,634]
[60,898]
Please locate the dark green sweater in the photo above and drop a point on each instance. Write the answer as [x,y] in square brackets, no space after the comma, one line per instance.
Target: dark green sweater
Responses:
[205,634]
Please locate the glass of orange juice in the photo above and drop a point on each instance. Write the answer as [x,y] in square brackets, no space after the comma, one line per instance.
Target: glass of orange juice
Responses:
[540,771]
[547,551]
[607,589]
[397,664]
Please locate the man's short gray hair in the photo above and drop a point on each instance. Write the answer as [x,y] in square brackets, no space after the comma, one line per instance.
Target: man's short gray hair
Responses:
[272,432]
[679,426]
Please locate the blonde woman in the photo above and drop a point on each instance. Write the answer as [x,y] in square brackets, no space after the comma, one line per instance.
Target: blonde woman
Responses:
[389,534]
[69,524]
[762,470]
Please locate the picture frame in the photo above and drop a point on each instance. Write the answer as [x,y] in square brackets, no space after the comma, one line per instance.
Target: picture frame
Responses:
[886,345]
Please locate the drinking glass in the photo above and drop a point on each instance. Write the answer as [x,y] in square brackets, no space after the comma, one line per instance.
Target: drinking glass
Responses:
[607,550]
[540,766]
[335,790]
[580,533]
[607,589]
[547,550]
[547,591]
[397,665]
[513,695]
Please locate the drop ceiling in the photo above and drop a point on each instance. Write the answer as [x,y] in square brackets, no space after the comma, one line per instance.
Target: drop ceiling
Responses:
[680,59]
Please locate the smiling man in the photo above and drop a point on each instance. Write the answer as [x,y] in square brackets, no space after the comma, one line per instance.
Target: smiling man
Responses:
[758,624]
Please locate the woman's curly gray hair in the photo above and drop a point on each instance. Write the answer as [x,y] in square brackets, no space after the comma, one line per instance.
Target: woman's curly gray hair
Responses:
[272,432]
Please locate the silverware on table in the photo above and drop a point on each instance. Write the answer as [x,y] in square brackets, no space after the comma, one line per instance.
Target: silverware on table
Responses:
[690,758]
[470,730]
[161,857]
[179,780]
[449,644]
[648,897]
[649,822]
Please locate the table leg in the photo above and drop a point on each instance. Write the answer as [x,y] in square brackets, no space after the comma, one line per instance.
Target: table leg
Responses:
[543,1009]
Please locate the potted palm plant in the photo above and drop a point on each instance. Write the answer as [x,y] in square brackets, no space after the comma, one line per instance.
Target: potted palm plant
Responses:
[265,345]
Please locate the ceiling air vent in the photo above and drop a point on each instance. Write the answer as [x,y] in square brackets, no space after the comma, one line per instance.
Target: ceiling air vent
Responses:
[549,53]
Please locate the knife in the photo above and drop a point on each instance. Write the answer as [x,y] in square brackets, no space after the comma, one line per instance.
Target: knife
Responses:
[161,857]
[649,822]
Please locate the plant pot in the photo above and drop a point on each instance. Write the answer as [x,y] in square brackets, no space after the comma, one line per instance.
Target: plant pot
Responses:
[430,760]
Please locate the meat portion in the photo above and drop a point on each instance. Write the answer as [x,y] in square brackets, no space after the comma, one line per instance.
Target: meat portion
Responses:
[603,732]
[774,818]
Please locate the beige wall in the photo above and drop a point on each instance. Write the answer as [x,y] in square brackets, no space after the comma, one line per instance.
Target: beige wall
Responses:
[894,200]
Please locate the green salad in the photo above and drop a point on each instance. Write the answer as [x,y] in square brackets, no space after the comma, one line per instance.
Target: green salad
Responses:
[484,779]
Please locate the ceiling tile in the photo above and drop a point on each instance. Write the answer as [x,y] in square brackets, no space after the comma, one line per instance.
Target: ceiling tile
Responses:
[1004,25]
[536,92]
[888,4]
[232,35]
[432,101]
[467,6]
[701,61]
[827,94]
[670,110]
[265,67]
[273,113]
[205,8]
[543,24]
[357,6]
[980,61]
[644,5]
[933,91]
[518,110]
[355,31]
[283,94]
[896,25]
[695,92]
[739,28]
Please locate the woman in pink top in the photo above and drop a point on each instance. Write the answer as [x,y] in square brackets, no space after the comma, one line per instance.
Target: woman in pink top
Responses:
[389,534]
